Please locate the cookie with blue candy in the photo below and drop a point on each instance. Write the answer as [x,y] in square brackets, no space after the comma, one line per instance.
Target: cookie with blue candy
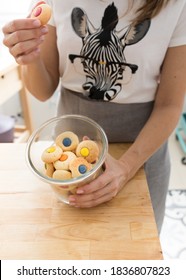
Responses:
[67,140]
[79,166]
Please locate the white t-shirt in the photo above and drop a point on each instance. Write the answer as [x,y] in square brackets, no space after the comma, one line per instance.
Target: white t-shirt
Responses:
[99,49]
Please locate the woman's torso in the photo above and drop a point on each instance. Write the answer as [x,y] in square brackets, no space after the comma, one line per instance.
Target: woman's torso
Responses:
[99,49]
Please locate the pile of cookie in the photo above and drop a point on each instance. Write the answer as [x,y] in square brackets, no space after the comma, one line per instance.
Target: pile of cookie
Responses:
[69,157]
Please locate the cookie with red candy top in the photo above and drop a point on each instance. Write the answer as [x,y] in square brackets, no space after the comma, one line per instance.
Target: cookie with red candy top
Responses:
[42,12]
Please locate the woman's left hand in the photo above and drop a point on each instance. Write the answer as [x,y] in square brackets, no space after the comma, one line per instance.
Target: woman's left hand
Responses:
[104,187]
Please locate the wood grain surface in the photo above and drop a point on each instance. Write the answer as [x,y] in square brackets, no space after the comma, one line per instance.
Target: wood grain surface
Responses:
[35,225]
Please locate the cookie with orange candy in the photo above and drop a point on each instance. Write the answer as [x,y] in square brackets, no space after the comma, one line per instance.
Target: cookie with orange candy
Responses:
[88,149]
[64,161]
[42,12]
[79,167]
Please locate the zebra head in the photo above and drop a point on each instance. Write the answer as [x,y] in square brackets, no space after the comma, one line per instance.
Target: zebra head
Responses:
[102,52]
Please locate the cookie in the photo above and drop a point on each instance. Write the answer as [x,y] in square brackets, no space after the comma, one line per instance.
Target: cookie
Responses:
[42,12]
[62,175]
[63,162]
[88,149]
[79,167]
[68,141]
[51,154]
[49,169]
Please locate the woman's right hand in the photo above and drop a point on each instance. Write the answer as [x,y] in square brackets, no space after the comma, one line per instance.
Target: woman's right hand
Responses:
[23,38]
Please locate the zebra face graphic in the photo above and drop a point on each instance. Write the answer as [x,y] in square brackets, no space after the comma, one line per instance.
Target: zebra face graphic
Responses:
[102,53]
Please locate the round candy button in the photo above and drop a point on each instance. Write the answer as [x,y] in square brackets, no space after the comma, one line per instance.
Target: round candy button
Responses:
[84,152]
[67,142]
[82,169]
[51,150]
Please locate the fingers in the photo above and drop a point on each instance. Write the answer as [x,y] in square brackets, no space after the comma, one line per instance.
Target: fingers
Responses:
[23,38]
[25,46]
[103,188]
[100,190]
[28,57]
[86,138]
[93,199]
[20,24]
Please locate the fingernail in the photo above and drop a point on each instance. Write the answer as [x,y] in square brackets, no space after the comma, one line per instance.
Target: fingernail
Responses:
[37,50]
[44,29]
[80,191]
[72,204]
[36,23]
[42,38]
[71,199]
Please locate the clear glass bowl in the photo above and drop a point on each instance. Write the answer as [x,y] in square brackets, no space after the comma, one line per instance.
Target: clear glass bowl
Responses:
[45,136]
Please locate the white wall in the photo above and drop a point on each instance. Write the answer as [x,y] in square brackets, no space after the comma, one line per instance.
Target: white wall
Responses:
[42,111]
[12,9]
[15,7]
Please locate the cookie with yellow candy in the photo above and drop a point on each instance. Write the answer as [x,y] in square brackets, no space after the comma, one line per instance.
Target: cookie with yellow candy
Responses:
[64,160]
[51,154]
[42,12]
[62,175]
[79,167]
[88,149]
[67,140]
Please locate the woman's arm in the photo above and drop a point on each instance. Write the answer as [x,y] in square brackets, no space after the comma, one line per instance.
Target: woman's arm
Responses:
[167,109]
[41,77]
[163,120]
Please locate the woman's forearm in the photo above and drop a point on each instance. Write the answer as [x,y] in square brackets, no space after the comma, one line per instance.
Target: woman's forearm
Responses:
[156,131]
[38,80]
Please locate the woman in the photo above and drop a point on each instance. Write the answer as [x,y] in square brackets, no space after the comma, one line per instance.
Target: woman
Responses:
[121,63]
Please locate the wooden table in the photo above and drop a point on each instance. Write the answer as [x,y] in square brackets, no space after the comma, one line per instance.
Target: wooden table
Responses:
[34,225]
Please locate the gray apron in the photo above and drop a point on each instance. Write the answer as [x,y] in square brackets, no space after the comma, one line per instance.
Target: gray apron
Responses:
[122,123]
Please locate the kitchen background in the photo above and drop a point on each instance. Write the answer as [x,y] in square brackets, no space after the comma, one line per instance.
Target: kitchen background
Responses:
[175,221]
